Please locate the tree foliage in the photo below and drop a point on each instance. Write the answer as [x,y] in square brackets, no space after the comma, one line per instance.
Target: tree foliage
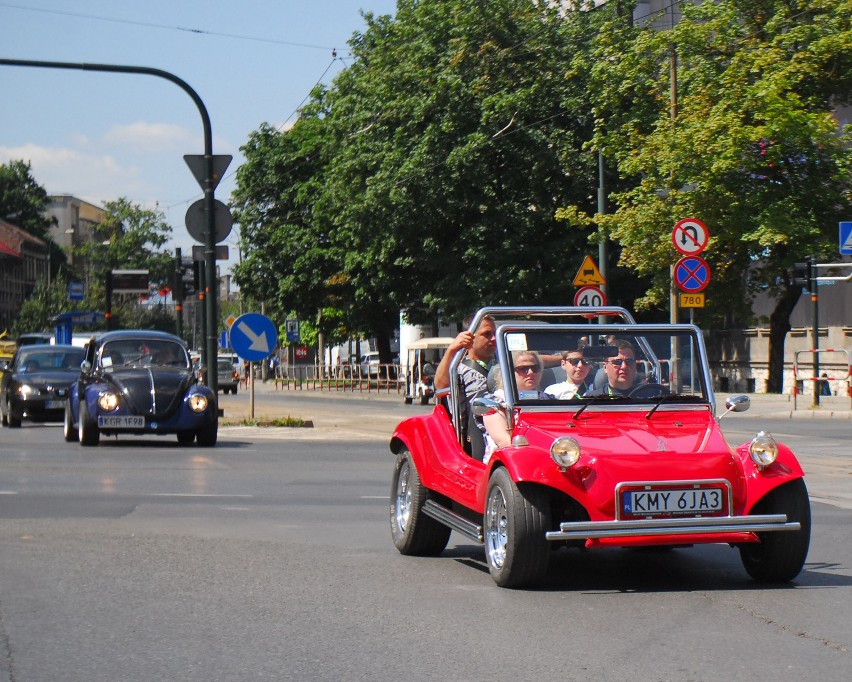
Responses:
[22,199]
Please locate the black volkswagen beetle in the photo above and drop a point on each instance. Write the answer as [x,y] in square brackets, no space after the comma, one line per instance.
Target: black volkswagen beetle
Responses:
[35,384]
[140,382]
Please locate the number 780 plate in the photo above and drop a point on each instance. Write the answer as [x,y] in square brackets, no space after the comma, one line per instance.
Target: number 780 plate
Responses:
[642,501]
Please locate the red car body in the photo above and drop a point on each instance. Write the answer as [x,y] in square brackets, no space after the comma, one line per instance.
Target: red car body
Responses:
[637,460]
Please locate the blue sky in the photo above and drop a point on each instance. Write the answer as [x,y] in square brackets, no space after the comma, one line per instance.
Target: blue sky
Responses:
[100,136]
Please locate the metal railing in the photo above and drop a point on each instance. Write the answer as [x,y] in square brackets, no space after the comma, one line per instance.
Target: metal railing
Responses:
[383,378]
[820,381]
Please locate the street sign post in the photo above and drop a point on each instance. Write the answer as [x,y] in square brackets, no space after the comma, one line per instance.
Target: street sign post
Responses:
[692,274]
[253,338]
[690,236]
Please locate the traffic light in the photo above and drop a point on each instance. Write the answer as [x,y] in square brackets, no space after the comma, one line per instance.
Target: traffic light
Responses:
[803,274]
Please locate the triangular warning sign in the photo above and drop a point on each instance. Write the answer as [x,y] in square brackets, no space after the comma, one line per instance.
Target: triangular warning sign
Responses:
[588,274]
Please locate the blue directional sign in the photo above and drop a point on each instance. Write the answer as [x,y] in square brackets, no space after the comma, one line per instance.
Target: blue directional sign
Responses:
[253,336]
[846,239]
[692,274]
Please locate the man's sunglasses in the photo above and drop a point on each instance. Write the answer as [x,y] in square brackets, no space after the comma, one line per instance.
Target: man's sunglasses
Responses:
[617,362]
[577,361]
[526,369]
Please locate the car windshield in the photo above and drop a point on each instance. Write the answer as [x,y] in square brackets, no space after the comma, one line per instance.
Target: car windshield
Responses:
[126,353]
[603,364]
[49,360]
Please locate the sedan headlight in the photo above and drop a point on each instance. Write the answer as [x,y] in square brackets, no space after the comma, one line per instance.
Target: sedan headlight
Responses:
[108,401]
[27,391]
[565,452]
[197,402]
[763,449]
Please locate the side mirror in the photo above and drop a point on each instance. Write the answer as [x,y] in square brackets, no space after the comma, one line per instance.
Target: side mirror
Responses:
[4,365]
[85,366]
[736,403]
[483,406]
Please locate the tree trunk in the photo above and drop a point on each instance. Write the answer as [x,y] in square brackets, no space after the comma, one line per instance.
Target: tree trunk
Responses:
[779,325]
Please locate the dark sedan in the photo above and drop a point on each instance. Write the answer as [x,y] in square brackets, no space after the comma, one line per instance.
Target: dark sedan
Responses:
[35,385]
[138,382]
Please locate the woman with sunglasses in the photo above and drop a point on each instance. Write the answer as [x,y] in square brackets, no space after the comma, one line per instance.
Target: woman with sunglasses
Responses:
[528,366]
[576,370]
[620,372]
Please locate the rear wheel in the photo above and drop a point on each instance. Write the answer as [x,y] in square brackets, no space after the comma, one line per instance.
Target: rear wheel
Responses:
[516,520]
[14,422]
[87,430]
[413,532]
[68,429]
[779,556]
[4,420]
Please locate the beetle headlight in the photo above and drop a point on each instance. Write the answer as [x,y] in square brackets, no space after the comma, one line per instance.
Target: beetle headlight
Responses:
[197,402]
[108,401]
[763,449]
[565,452]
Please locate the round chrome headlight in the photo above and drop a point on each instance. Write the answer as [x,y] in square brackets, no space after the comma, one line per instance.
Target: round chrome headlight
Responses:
[565,452]
[108,401]
[763,449]
[197,402]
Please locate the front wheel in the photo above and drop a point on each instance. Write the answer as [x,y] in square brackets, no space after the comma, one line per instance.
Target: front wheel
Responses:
[88,431]
[185,437]
[207,435]
[779,556]
[413,532]
[516,519]
[68,429]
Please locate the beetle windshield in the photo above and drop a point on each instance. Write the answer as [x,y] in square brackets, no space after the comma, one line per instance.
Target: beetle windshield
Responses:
[125,353]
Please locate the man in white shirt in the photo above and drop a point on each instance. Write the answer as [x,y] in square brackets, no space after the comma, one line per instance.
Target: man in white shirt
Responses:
[577,369]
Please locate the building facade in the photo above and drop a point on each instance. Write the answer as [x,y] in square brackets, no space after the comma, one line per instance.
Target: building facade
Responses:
[23,261]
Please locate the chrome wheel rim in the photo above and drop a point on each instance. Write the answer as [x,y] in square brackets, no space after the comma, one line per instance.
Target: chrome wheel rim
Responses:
[402,501]
[496,528]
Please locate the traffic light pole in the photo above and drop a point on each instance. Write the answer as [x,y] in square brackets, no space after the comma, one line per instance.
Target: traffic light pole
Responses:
[813,288]
[210,346]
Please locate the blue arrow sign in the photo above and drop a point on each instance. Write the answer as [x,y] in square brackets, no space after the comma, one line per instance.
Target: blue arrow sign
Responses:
[846,239]
[692,274]
[253,336]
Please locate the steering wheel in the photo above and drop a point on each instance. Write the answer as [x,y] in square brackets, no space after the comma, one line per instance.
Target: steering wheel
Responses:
[648,391]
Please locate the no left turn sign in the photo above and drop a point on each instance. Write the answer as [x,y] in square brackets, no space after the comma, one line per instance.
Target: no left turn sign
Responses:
[690,236]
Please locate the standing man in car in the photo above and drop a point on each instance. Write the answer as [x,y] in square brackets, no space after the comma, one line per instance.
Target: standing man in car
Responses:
[473,371]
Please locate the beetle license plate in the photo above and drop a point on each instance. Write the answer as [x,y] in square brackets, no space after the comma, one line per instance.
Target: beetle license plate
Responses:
[663,501]
[54,404]
[121,422]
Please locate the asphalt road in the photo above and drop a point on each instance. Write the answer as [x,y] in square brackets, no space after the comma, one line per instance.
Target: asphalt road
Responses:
[269,557]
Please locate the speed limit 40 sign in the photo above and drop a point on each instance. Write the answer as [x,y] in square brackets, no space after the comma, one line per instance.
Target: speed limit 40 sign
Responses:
[589,297]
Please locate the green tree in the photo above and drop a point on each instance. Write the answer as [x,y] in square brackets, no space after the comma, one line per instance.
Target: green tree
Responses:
[22,199]
[428,177]
[750,145]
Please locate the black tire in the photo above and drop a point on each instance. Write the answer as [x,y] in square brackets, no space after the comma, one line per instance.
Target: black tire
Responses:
[14,422]
[207,435]
[185,437]
[69,431]
[413,533]
[424,399]
[515,521]
[779,556]
[4,420]
[234,390]
[407,400]
[87,430]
